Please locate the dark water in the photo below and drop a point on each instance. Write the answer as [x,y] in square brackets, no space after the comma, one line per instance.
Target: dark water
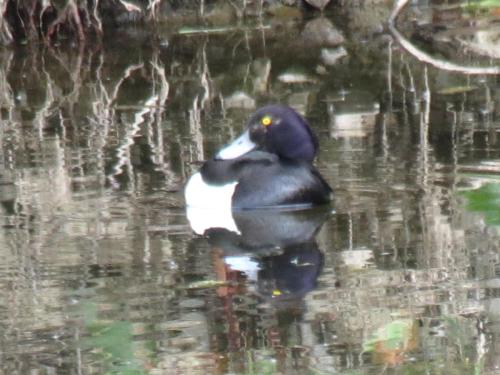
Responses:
[101,272]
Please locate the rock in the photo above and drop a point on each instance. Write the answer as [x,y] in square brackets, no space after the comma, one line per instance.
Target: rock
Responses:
[239,99]
[330,56]
[320,32]
[318,4]
[321,70]
[296,77]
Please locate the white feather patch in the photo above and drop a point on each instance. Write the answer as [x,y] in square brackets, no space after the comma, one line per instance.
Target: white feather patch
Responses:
[200,194]
[202,219]
[209,206]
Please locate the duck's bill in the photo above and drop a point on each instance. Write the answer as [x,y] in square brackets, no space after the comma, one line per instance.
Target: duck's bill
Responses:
[238,147]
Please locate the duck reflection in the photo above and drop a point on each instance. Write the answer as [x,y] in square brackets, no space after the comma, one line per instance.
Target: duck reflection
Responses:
[275,251]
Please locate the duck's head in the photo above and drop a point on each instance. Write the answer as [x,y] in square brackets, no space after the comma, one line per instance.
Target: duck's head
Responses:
[276,129]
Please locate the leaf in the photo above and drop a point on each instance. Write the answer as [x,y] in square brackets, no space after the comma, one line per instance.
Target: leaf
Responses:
[113,341]
[482,4]
[485,200]
[392,336]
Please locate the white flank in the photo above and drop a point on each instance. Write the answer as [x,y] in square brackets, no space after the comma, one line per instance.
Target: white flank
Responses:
[238,147]
[202,219]
[200,194]
[209,206]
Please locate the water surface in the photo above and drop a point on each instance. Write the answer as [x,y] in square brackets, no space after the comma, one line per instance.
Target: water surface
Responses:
[102,272]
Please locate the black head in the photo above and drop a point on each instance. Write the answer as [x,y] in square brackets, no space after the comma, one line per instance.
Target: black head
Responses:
[276,129]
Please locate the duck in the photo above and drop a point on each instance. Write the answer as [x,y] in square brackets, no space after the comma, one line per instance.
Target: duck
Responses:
[270,165]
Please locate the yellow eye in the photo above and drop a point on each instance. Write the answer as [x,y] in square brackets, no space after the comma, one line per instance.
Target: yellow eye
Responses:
[266,121]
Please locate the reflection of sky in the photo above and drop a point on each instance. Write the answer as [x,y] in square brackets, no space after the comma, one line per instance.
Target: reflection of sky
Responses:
[244,264]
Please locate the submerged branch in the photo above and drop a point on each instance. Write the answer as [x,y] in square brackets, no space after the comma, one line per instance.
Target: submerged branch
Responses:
[424,56]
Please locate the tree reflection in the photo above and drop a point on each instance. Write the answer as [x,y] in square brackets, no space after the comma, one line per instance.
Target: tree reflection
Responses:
[96,144]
